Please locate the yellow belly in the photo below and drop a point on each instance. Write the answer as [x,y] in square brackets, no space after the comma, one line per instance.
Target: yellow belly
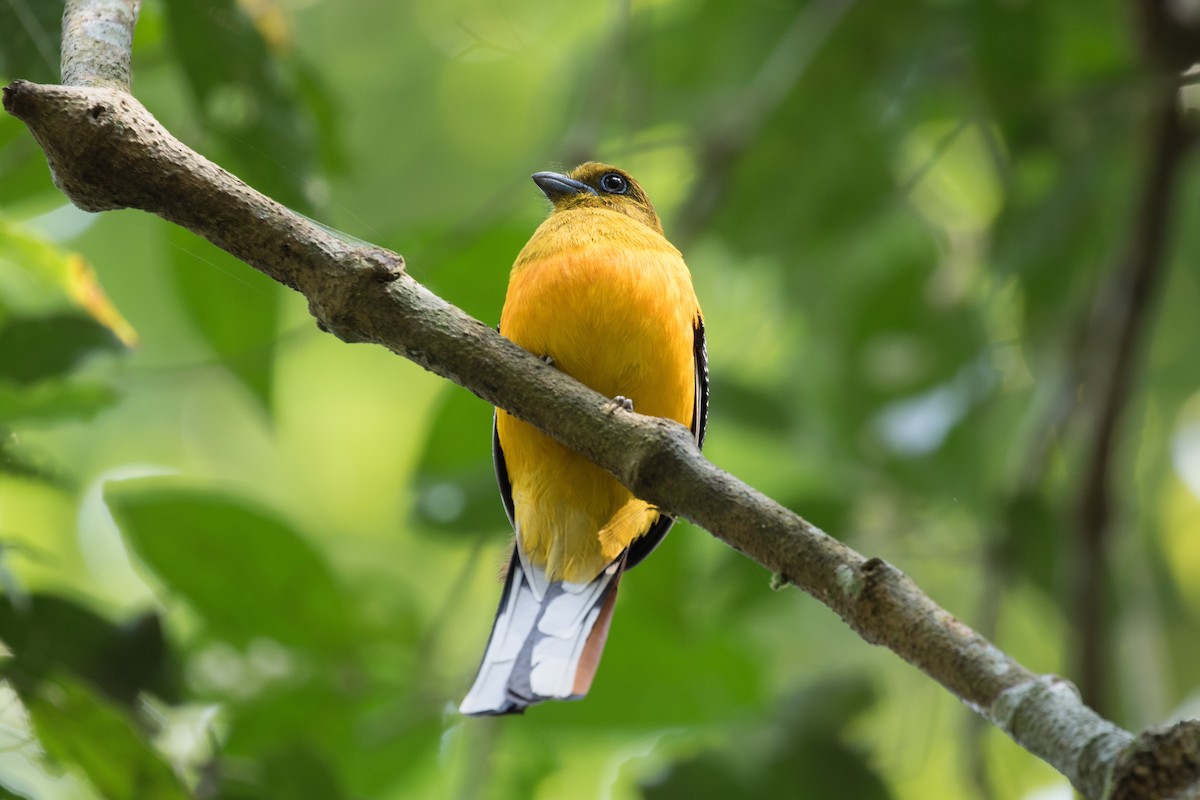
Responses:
[615,309]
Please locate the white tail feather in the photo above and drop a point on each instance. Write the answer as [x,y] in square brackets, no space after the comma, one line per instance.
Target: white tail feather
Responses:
[541,633]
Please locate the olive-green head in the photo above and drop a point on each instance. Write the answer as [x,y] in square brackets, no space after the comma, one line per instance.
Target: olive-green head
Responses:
[596,185]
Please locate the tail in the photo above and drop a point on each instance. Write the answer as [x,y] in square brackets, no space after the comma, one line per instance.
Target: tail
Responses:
[546,641]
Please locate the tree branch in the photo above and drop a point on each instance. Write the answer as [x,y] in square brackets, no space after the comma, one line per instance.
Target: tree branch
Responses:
[98,42]
[107,151]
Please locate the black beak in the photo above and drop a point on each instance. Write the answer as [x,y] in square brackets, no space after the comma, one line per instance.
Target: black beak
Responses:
[556,185]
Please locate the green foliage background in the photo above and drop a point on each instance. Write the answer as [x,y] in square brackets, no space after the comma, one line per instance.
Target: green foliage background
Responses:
[244,560]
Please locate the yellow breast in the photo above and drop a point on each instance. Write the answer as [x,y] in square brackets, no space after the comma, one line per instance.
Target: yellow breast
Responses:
[611,301]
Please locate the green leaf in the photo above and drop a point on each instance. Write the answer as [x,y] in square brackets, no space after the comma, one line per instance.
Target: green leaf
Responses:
[30,33]
[700,778]
[812,748]
[54,400]
[30,463]
[80,730]
[48,634]
[246,573]
[54,317]
[802,747]
[40,279]
[1033,542]
[9,794]
[36,348]
[1011,79]
[455,479]
[754,406]
[249,102]
[27,185]
[374,732]
[470,266]
[297,772]
[235,308]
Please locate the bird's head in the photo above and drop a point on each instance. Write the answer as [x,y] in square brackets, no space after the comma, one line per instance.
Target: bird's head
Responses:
[596,185]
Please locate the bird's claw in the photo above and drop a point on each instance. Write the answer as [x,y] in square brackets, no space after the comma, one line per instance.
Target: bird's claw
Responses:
[623,402]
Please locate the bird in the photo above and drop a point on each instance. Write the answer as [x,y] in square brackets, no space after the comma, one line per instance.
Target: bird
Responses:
[599,293]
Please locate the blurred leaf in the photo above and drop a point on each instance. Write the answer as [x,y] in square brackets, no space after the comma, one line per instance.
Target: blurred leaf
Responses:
[53,634]
[372,737]
[702,778]
[1008,46]
[520,767]
[945,339]
[8,794]
[247,98]
[33,349]
[235,308]
[455,479]
[950,170]
[470,266]
[38,278]
[19,461]
[461,421]
[288,773]
[829,704]
[27,185]
[1054,231]
[246,573]
[54,400]
[803,749]
[756,406]
[80,730]
[314,92]
[851,138]
[826,768]
[30,31]
[830,511]
[53,317]
[1034,539]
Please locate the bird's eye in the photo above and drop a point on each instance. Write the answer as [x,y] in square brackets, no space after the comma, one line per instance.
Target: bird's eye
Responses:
[613,183]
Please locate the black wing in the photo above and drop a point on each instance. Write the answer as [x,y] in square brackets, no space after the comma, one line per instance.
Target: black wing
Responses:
[502,475]
[700,419]
[645,544]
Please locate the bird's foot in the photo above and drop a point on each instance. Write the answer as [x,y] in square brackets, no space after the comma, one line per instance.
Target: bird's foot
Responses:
[549,360]
[623,402]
